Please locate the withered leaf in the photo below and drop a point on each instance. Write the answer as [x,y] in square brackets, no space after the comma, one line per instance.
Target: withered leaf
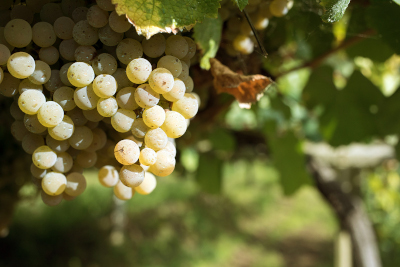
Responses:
[247,89]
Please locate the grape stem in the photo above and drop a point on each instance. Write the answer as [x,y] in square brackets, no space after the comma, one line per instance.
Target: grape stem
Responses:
[320,59]
[264,52]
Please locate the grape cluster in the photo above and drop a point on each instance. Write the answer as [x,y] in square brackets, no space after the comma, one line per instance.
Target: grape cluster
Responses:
[105,98]
[239,33]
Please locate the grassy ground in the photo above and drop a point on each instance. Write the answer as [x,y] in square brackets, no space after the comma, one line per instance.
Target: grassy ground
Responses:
[251,224]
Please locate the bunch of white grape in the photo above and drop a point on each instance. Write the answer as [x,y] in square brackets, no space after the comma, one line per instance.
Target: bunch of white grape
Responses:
[239,34]
[89,92]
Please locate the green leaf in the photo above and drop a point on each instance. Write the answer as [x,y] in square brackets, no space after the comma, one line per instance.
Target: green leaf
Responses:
[222,140]
[388,113]
[289,159]
[152,17]
[334,9]
[208,36]
[397,1]
[241,3]
[209,173]
[383,15]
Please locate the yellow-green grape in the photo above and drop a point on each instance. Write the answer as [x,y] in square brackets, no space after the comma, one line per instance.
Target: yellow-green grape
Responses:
[131,33]
[63,163]
[63,27]
[156,139]
[177,91]
[104,64]
[189,84]
[82,138]
[68,6]
[187,106]
[147,156]
[64,96]
[107,107]
[51,200]
[84,34]
[21,65]
[155,46]
[50,114]
[22,12]
[154,117]
[86,159]
[64,74]
[279,8]
[165,164]
[243,44]
[31,142]
[54,82]
[170,148]
[3,39]
[118,23]
[57,145]
[106,5]
[50,12]
[76,184]
[43,34]
[131,175]
[126,152]
[54,183]
[4,54]
[80,74]
[171,63]
[138,70]
[138,141]
[146,97]
[97,17]
[44,157]
[26,84]
[30,101]
[36,172]
[85,97]
[139,128]
[18,33]
[245,28]
[33,125]
[122,120]
[148,185]
[41,74]
[260,22]
[161,80]
[108,176]
[18,130]
[185,71]
[176,46]
[197,98]
[92,124]
[109,37]
[126,99]
[122,79]
[105,85]
[92,115]
[123,192]
[16,112]
[9,85]
[85,53]
[67,49]
[174,125]
[99,140]
[79,14]
[77,116]
[192,48]
[67,197]
[128,50]
[63,130]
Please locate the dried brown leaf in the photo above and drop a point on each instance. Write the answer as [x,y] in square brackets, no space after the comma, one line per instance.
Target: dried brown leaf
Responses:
[247,89]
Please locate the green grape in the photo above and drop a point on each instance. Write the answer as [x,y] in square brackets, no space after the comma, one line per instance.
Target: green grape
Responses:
[67,49]
[33,125]
[63,130]
[138,70]
[156,139]
[54,82]
[50,114]
[187,106]
[192,49]
[80,74]
[128,50]
[146,97]
[189,84]
[43,34]
[18,33]
[68,6]
[36,172]
[63,27]
[176,46]
[165,164]
[64,96]
[4,54]
[161,80]
[185,71]
[86,159]
[92,115]
[122,79]
[63,163]
[50,12]
[154,117]
[9,85]
[118,23]
[76,184]
[104,64]
[278,8]
[107,107]
[21,65]
[85,53]
[26,84]
[171,63]
[50,55]
[170,148]
[108,176]
[44,157]
[77,117]
[177,91]
[16,112]
[131,175]
[243,44]
[18,130]
[106,5]
[147,156]
[99,140]
[85,97]
[122,120]
[139,128]
[126,152]
[126,99]
[41,74]
[155,46]
[84,34]
[97,17]
[30,101]
[174,125]
[82,138]
[105,86]
[79,14]
[57,145]
[148,185]
[123,192]
[54,183]
[64,74]
[50,200]
[109,37]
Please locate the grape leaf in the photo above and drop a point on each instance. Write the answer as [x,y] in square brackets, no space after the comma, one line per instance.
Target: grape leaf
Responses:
[152,17]
[209,173]
[208,36]
[333,9]
[382,16]
[241,3]
[247,89]
[288,158]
